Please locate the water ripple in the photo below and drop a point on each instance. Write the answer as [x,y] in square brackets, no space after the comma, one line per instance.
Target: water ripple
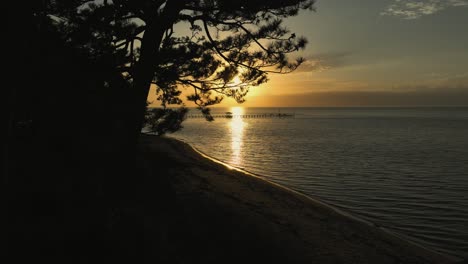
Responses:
[406,169]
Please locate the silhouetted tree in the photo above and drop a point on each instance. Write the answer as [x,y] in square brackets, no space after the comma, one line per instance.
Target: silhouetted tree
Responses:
[62,163]
[165,120]
[202,44]
[77,62]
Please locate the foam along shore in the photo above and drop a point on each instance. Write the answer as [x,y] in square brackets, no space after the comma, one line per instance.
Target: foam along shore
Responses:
[223,215]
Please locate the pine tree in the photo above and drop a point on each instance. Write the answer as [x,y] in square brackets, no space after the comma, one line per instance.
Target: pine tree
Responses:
[230,46]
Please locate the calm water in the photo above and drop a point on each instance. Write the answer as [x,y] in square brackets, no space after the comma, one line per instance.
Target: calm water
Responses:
[405,169]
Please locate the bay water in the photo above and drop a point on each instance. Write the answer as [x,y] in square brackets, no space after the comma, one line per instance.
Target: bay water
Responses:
[405,169]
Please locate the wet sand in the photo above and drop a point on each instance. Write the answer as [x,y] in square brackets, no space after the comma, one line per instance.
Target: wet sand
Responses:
[221,215]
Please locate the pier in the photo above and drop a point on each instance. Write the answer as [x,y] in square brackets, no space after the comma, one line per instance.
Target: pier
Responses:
[259,115]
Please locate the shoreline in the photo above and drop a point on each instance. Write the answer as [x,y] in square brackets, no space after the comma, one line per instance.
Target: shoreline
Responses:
[342,236]
[317,200]
[277,185]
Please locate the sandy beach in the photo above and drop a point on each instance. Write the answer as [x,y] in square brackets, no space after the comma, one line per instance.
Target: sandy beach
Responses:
[218,214]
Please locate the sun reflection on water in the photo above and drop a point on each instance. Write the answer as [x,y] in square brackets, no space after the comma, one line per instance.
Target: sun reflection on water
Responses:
[237,126]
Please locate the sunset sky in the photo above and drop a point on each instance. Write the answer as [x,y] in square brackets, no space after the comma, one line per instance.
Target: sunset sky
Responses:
[375,53]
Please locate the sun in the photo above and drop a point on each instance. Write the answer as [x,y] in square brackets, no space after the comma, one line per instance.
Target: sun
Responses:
[236,81]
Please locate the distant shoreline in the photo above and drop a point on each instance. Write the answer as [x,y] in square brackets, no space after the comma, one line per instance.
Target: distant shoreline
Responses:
[338,230]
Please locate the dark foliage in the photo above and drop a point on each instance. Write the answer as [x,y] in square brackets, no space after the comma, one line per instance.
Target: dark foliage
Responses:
[225,40]
[165,120]
[77,191]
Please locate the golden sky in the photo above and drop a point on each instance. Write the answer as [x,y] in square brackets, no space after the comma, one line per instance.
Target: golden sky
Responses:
[375,53]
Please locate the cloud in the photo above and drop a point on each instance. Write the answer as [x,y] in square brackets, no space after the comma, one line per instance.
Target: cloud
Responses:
[322,62]
[413,9]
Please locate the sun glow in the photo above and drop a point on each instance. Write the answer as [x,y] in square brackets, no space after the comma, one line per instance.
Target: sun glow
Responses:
[237,126]
[237,112]
[236,81]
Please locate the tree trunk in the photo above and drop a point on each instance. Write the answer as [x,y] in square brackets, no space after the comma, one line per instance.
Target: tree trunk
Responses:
[144,69]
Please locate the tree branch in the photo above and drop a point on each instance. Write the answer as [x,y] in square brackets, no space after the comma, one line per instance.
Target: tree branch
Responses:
[220,53]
